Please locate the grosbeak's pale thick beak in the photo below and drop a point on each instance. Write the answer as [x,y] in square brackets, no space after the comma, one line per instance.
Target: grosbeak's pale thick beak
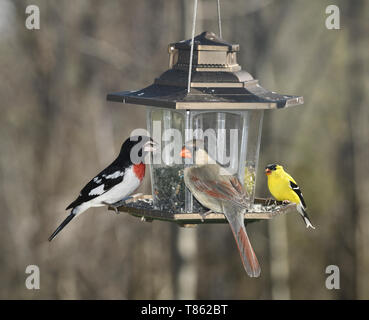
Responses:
[151,146]
[185,153]
[268,171]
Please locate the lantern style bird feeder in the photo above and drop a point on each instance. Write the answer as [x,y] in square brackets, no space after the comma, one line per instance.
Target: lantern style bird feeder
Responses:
[214,96]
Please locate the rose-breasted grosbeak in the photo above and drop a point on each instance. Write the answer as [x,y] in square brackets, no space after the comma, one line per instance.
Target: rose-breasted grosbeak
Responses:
[116,182]
[221,192]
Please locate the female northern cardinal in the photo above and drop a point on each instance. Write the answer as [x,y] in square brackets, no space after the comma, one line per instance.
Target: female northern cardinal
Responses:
[221,192]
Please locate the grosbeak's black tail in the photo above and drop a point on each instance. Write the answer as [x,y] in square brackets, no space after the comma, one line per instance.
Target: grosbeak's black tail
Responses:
[62,225]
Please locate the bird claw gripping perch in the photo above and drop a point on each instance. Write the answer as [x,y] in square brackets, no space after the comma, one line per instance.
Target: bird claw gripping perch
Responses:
[269,201]
[135,197]
[114,206]
[203,215]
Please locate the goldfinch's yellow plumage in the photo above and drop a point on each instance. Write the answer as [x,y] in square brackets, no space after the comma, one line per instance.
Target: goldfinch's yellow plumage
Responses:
[284,188]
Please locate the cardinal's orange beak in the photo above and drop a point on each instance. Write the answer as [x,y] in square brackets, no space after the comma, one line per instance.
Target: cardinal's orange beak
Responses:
[268,172]
[185,153]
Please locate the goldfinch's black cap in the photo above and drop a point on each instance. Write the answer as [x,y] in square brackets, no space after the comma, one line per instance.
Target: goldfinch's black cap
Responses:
[271,166]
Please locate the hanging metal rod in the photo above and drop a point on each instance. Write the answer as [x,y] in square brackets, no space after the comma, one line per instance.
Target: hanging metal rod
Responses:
[192,44]
[193,36]
[219,20]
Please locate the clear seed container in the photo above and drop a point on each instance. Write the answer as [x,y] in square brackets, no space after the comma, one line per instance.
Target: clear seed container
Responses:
[232,138]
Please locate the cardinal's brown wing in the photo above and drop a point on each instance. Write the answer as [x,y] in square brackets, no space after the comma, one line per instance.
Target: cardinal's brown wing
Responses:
[207,179]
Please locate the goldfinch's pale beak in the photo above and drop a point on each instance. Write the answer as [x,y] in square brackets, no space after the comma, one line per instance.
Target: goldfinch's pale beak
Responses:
[185,153]
[268,171]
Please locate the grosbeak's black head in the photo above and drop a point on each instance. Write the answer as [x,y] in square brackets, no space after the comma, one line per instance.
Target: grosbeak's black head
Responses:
[135,140]
[135,148]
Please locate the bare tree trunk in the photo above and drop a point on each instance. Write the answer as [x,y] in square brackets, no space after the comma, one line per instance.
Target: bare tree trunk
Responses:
[186,239]
[358,116]
[279,266]
[187,273]
[278,244]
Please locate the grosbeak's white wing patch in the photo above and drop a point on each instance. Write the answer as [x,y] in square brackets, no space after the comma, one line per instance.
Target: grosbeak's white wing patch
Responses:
[97,180]
[114,175]
[120,190]
[109,186]
[97,191]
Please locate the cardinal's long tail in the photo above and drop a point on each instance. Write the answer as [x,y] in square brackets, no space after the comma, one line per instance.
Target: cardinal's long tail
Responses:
[248,257]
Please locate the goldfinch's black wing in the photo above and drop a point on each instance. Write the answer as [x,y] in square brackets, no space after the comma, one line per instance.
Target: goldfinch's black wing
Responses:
[100,184]
[297,190]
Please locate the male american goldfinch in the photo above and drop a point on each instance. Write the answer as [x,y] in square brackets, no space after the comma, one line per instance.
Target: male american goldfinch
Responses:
[284,188]
[221,192]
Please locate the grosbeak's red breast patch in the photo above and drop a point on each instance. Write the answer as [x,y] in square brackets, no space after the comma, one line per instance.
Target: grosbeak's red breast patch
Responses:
[139,170]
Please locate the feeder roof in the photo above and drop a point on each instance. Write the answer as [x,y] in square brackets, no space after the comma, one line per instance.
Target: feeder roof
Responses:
[217,81]
[206,41]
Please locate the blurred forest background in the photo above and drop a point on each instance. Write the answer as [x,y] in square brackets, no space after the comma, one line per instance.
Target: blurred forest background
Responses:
[57,130]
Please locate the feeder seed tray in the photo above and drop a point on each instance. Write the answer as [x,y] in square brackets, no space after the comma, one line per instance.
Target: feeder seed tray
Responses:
[142,207]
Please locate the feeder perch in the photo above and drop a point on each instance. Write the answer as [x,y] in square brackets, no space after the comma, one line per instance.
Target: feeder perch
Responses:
[222,98]
[142,207]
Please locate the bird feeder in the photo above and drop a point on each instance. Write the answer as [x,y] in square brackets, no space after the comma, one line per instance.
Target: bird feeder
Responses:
[214,98]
